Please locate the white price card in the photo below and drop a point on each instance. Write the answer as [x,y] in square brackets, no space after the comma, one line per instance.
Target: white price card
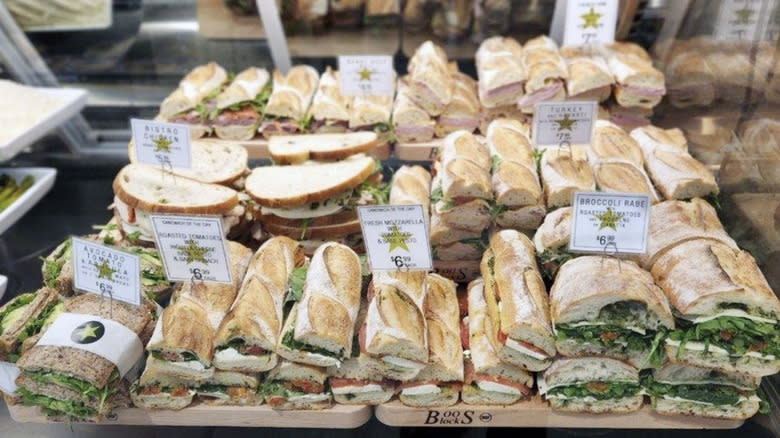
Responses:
[8,374]
[366,75]
[557,123]
[742,19]
[395,237]
[162,144]
[590,22]
[105,271]
[192,247]
[609,223]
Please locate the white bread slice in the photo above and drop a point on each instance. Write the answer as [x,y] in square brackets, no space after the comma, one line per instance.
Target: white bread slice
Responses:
[615,406]
[296,149]
[301,184]
[151,189]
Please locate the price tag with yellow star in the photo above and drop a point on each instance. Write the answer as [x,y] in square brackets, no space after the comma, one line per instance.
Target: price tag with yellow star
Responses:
[366,75]
[590,22]
[106,271]
[192,247]
[161,144]
[557,123]
[742,19]
[396,237]
[609,222]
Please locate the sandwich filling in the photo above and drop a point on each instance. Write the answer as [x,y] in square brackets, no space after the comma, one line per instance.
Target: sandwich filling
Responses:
[172,391]
[491,383]
[226,392]
[91,402]
[424,388]
[351,388]
[541,94]
[238,349]
[589,391]
[704,393]
[277,392]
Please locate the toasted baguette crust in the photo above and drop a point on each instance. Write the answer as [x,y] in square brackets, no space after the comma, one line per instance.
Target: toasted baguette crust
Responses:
[442,316]
[555,231]
[184,327]
[296,149]
[411,185]
[502,74]
[292,94]
[563,173]
[612,142]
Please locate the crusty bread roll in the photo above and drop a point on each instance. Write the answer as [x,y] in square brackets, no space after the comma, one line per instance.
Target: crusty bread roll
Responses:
[502,74]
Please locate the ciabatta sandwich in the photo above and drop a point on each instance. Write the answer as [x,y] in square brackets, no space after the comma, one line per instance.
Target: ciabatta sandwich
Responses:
[192,102]
[230,388]
[239,108]
[287,107]
[295,386]
[156,389]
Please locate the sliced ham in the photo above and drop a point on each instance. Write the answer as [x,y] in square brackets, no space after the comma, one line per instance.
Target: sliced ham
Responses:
[413,130]
[460,122]
[540,95]
[245,116]
[508,89]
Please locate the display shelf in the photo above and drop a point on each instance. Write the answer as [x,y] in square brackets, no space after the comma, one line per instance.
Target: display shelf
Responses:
[424,151]
[44,180]
[257,148]
[536,413]
[457,271]
[338,417]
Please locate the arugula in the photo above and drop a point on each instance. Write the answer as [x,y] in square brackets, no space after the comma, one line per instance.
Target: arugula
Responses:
[707,392]
[33,327]
[289,340]
[617,339]
[51,406]
[304,227]
[87,390]
[597,390]
[235,343]
[133,237]
[186,356]
[385,128]
[305,122]
[538,153]
[552,259]
[496,209]
[495,161]
[295,285]
[52,265]
[437,194]
[734,334]
[380,193]
[270,389]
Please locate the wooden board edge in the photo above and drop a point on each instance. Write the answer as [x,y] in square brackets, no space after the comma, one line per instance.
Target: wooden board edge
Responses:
[457,271]
[424,151]
[536,413]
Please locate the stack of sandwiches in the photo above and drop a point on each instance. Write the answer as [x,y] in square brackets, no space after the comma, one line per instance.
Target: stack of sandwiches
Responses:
[502,78]
[565,171]
[461,198]
[589,77]
[287,108]
[547,73]
[195,98]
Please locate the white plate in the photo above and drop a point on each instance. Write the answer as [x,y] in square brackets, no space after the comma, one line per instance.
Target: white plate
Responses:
[102,21]
[44,180]
[74,100]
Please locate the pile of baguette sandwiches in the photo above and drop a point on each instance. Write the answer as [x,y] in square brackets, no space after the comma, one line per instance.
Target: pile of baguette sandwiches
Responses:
[433,100]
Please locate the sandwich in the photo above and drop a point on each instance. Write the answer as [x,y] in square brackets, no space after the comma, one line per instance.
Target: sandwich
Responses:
[239,108]
[462,113]
[611,142]
[373,113]
[411,185]
[589,77]
[440,382]
[594,385]
[430,83]
[247,337]
[678,389]
[491,17]
[547,73]
[511,112]
[192,102]
[628,118]
[760,137]
[733,74]
[394,335]
[329,111]
[488,380]
[501,72]
[727,315]
[24,316]
[637,82]
[141,190]
[67,381]
[602,306]
[518,195]
[156,389]
[517,302]
[295,386]
[616,162]
[411,123]
[626,48]
[675,172]
[563,172]
[320,326]
[450,243]
[691,80]
[287,107]
[230,388]
[551,241]
[298,149]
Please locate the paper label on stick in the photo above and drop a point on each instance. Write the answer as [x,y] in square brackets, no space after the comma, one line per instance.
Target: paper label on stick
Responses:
[557,123]
[396,237]
[609,223]
[366,75]
[590,22]
[106,271]
[162,144]
[192,248]
[742,19]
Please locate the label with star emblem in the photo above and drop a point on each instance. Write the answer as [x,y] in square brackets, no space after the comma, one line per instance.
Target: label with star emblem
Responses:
[742,19]
[106,271]
[609,222]
[366,75]
[161,144]
[590,22]
[396,238]
[104,337]
[192,247]
[557,123]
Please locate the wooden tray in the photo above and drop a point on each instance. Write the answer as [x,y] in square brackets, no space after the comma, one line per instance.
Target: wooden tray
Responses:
[338,417]
[536,413]
[426,151]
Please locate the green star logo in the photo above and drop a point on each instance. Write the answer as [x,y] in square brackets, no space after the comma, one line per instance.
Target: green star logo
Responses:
[397,239]
[744,15]
[591,19]
[194,252]
[162,144]
[104,270]
[88,332]
[365,74]
[565,123]
[609,219]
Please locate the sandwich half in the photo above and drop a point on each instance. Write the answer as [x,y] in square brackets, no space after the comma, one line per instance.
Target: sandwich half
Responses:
[637,82]
[156,389]
[551,241]
[193,101]
[547,73]
[411,123]
[23,316]
[295,386]
[230,388]
[239,108]
[287,107]
[563,172]
[462,113]
[501,72]
[329,111]
[429,80]
[589,77]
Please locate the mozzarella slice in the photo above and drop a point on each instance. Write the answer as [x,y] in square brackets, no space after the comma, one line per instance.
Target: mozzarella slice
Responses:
[403,363]
[636,329]
[311,398]
[357,389]
[514,345]
[732,312]
[498,387]
[421,390]
[304,212]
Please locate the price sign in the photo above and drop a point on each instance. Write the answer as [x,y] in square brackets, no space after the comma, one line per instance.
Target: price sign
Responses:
[742,19]
[609,222]
[192,248]
[557,123]
[590,22]
[366,75]
[105,271]
[396,237]
[162,144]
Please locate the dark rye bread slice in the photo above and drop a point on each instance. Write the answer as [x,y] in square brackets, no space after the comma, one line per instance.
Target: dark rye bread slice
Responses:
[84,365]
[152,189]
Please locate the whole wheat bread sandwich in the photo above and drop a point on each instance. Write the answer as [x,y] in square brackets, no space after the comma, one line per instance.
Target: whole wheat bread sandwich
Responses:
[23,317]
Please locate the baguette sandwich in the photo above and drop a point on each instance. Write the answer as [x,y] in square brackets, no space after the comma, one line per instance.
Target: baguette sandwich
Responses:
[411,123]
[501,72]
[23,317]
[430,83]
[239,108]
[616,161]
[589,77]
[564,172]
[192,102]
[637,82]
[295,386]
[551,241]
[373,113]
[156,389]
[230,388]
[449,243]
[329,111]
[547,73]
[462,113]
[411,186]
[287,107]
[690,77]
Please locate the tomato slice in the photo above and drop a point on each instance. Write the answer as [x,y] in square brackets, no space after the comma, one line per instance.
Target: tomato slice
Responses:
[179,391]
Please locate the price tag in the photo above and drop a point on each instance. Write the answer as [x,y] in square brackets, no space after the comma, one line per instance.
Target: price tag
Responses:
[366,75]
[192,247]
[105,271]
[609,222]
[742,19]
[590,22]
[395,237]
[162,144]
[564,122]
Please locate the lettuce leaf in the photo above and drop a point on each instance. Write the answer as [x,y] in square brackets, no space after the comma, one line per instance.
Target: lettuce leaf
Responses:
[597,390]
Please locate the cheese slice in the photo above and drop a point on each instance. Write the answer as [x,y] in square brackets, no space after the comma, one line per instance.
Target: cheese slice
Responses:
[307,211]
[754,398]
[311,398]
[731,312]
[514,345]
[357,389]
[498,387]
[403,363]
[421,390]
